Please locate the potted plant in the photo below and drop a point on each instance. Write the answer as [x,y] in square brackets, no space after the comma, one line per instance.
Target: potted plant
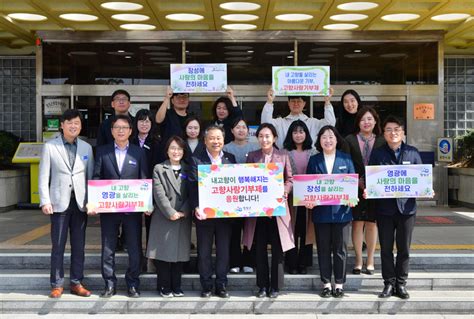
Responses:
[461,172]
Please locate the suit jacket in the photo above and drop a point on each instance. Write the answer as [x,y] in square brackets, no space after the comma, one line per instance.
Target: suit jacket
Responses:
[342,165]
[150,147]
[169,240]
[57,178]
[384,155]
[285,228]
[135,165]
[203,159]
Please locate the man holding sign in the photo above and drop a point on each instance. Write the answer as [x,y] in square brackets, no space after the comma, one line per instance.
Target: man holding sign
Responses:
[120,160]
[395,216]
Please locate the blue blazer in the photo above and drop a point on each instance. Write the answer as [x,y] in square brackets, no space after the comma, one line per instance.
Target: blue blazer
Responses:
[135,165]
[342,165]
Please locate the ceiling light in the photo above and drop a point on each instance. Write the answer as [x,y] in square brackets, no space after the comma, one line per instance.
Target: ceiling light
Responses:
[137,26]
[393,55]
[250,51]
[240,17]
[27,17]
[130,17]
[158,53]
[240,6]
[349,17]
[400,17]
[128,57]
[184,17]
[340,26]
[153,47]
[357,55]
[450,17]
[80,17]
[324,49]
[120,51]
[238,53]
[238,47]
[289,57]
[294,17]
[357,6]
[239,26]
[121,6]
[357,51]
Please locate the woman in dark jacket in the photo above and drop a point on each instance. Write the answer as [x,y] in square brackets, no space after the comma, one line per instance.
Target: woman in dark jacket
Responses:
[351,103]
[225,110]
[331,223]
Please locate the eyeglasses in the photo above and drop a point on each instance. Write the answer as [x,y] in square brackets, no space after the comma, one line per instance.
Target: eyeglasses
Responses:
[394,130]
[121,128]
[121,99]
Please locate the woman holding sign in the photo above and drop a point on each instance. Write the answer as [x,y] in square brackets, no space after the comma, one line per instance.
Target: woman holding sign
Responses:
[225,110]
[331,223]
[299,145]
[170,230]
[276,231]
[366,138]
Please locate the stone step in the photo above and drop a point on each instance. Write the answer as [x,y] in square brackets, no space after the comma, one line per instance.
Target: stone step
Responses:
[242,302]
[418,261]
[15,280]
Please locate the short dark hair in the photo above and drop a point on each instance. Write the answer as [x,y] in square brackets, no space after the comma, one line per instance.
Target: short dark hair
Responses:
[228,104]
[236,121]
[292,97]
[179,93]
[339,138]
[269,126]
[189,119]
[289,144]
[181,143]
[361,112]
[123,92]
[393,119]
[141,115]
[353,93]
[126,118]
[213,127]
[70,114]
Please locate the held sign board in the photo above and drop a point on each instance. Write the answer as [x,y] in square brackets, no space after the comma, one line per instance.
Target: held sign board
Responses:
[120,195]
[445,149]
[198,78]
[300,80]
[241,190]
[325,189]
[399,181]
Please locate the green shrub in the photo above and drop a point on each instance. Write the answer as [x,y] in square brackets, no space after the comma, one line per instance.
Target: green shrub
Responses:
[465,149]
[8,145]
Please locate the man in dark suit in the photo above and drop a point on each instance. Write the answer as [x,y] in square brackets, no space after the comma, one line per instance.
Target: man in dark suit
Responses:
[208,229]
[66,165]
[120,160]
[395,216]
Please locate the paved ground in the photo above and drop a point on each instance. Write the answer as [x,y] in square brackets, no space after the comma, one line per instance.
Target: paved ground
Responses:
[438,229]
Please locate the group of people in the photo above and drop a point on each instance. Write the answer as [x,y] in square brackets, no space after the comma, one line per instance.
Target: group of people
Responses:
[168,147]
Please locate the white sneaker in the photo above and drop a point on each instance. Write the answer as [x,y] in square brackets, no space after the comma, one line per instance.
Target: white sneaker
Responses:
[248,270]
[235,270]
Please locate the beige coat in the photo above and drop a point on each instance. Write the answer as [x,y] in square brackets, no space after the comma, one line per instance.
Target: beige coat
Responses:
[170,240]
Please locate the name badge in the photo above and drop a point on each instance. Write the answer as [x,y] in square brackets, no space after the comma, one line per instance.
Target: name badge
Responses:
[406,162]
[85,157]
[342,167]
[146,146]
[132,162]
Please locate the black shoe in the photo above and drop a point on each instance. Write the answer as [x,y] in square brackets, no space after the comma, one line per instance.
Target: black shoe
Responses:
[369,271]
[326,293]
[205,293]
[302,270]
[402,292]
[178,292]
[133,292]
[338,293]
[356,271]
[222,293]
[262,293]
[166,293]
[387,291]
[108,292]
[273,293]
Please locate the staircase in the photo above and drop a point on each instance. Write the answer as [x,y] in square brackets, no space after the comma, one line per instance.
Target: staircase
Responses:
[438,284]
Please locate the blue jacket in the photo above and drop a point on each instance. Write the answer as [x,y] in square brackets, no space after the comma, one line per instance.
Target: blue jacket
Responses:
[342,165]
[384,155]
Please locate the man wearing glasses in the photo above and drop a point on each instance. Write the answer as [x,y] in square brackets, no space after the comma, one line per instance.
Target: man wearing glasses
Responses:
[121,104]
[120,160]
[171,116]
[395,216]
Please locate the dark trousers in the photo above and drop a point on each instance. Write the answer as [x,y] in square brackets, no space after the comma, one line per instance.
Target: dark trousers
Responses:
[109,225]
[332,238]
[398,228]
[266,232]
[302,255]
[240,257]
[75,221]
[169,275]
[147,229]
[206,232]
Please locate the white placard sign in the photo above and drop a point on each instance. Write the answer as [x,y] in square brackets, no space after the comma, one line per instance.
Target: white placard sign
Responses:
[198,78]
[300,80]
